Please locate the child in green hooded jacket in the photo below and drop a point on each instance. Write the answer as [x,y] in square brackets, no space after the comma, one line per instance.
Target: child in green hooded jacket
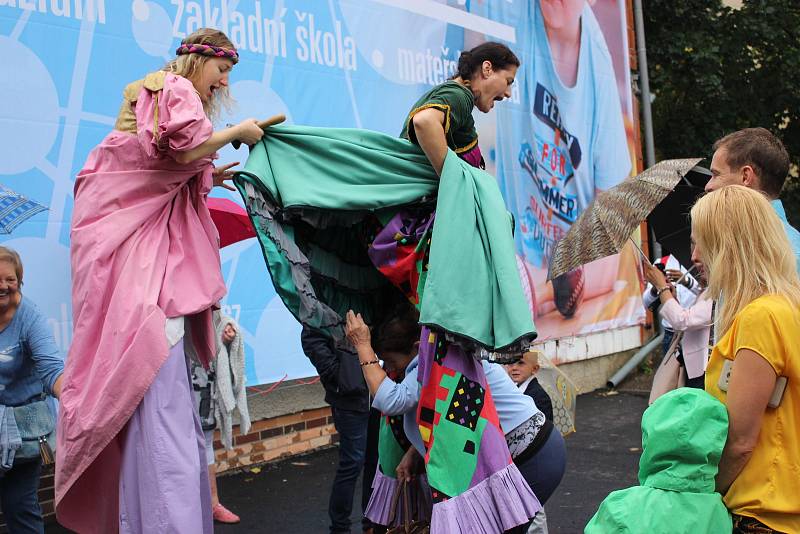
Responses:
[683,434]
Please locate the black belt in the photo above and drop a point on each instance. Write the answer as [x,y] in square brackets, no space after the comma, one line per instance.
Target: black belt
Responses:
[537,443]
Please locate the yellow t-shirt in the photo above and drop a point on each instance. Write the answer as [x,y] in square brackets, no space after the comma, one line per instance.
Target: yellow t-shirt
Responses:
[768,488]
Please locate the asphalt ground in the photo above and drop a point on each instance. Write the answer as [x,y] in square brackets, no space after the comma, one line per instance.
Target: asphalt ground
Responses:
[602,456]
[292,496]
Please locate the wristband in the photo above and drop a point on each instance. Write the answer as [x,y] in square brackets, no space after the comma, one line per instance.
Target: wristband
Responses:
[363,364]
[665,288]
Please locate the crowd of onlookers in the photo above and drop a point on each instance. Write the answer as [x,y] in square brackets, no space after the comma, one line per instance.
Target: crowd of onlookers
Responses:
[730,329]
[735,338]
[726,455]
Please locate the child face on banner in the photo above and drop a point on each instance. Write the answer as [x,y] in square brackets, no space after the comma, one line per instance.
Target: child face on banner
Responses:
[561,14]
[213,76]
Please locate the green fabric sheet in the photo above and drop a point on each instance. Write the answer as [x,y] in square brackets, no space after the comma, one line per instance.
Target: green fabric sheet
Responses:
[313,194]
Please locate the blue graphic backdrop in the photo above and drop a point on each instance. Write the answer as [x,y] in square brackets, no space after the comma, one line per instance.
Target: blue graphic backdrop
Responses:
[341,63]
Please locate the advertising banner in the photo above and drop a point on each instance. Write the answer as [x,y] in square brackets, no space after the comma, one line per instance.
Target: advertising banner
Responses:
[569,135]
[565,134]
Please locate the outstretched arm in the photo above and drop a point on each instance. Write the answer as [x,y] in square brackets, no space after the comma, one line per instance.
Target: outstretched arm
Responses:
[246,131]
[389,397]
[694,317]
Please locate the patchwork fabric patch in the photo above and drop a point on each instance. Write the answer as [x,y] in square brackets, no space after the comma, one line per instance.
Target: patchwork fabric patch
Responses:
[466,404]
[469,447]
[442,346]
[426,415]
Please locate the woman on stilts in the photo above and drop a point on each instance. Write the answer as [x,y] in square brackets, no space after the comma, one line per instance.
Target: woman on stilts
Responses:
[146,277]
[467,459]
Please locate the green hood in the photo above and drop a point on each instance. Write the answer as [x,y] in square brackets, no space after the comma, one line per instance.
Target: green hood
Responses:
[683,434]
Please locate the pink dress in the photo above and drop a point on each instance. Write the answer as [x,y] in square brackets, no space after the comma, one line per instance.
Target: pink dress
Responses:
[143,249]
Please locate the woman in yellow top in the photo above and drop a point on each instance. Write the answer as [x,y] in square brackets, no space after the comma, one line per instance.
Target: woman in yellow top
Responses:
[755,366]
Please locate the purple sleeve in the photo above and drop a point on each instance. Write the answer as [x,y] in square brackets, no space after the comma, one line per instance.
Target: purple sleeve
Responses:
[171,120]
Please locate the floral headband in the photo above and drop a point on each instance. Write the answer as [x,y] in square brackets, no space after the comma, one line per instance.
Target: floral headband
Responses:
[208,50]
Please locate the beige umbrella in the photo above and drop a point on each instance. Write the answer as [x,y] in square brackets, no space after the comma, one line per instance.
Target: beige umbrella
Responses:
[613,215]
[562,391]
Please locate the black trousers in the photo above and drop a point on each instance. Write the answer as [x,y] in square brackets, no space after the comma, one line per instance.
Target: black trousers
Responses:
[352,428]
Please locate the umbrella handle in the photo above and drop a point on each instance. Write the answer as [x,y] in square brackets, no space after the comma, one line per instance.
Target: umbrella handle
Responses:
[272,121]
[639,249]
[679,280]
[684,275]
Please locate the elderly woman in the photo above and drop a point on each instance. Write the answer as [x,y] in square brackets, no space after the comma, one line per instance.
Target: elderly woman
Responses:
[754,367]
[146,277]
[30,368]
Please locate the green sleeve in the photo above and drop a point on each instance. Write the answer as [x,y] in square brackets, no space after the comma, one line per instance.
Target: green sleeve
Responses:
[454,102]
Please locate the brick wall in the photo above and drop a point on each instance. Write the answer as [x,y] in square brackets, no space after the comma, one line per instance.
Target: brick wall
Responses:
[278,437]
[268,440]
[47,494]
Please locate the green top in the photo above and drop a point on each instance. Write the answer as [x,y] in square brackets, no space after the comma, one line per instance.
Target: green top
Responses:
[308,191]
[683,434]
[456,101]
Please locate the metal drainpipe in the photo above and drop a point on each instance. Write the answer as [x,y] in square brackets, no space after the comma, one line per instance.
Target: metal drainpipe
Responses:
[635,360]
[644,89]
[644,80]
[650,160]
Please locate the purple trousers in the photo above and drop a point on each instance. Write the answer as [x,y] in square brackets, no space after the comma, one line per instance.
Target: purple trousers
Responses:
[163,484]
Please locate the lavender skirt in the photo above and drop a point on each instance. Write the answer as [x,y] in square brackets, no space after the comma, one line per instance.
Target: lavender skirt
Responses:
[163,485]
